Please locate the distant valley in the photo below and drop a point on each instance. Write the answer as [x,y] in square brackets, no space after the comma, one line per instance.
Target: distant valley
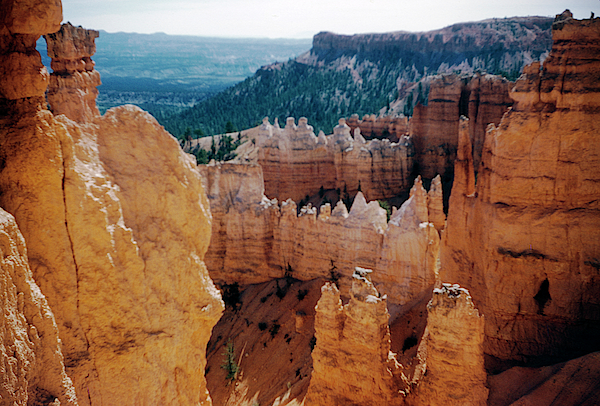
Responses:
[167,73]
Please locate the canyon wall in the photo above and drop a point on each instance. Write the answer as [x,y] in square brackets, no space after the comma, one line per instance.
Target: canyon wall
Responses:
[490,45]
[116,223]
[255,239]
[391,128]
[434,127]
[296,163]
[523,237]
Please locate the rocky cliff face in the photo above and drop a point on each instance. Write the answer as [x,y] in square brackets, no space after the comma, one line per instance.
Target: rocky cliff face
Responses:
[255,239]
[31,361]
[116,222]
[571,383]
[488,45]
[434,127]
[296,163]
[523,239]
[391,128]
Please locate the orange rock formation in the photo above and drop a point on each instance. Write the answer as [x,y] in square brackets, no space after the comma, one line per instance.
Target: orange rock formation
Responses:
[392,128]
[352,361]
[571,383]
[297,163]
[434,128]
[524,239]
[31,360]
[116,223]
[255,240]
[72,90]
[452,372]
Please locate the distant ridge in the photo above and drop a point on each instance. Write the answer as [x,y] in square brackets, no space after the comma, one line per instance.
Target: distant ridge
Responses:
[369,73]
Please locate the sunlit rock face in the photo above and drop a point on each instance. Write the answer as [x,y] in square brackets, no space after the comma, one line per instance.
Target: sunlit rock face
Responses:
[452,370]
[116,223]
[31,360]
[523,239]
[255,239]
[352,361]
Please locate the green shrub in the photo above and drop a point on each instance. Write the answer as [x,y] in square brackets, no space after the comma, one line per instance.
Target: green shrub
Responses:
[229,364]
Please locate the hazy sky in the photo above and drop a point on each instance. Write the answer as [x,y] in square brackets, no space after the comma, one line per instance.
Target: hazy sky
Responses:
[301,18]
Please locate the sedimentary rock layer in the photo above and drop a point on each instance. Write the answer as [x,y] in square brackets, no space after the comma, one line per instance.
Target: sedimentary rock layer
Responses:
[452,372]
[572,383]
[72,89]
[352,362]
[523,240]
[434,127]
[254,239]
[391,128]
[297,163]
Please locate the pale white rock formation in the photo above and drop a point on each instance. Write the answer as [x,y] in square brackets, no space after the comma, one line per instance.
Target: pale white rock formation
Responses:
[296,163]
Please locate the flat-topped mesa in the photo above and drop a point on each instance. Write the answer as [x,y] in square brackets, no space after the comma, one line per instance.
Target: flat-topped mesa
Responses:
[445,44]
[371,126]
[352,360]
[453,372]
[72,90]
[533,220]
[296,163]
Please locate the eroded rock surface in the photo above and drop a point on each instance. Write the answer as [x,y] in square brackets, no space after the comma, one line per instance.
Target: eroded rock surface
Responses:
[72,89]
[523,240]
[576,382]
[452,372]
[434,127]
[392,128]
[254,239]
[352,361]
[31,361]
[297,163]
[117,224]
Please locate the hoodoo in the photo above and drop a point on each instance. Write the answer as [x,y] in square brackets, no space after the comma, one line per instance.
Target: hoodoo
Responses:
[106,224]
[116,223]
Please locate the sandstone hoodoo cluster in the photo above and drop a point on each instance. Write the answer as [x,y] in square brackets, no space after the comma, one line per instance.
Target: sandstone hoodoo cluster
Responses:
[520,236]
[111,237]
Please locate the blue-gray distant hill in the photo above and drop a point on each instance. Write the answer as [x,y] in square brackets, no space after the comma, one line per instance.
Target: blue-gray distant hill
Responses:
[368,73]
[166,73]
